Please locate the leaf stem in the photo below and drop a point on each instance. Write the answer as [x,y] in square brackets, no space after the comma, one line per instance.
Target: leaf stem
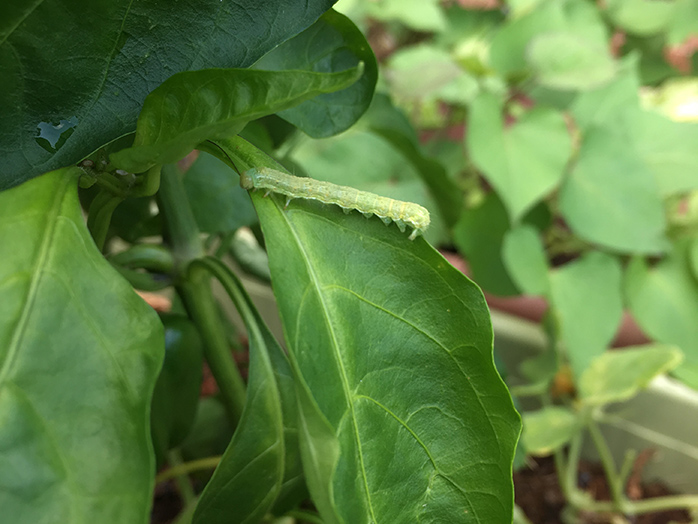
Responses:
[179,469]
[182,481]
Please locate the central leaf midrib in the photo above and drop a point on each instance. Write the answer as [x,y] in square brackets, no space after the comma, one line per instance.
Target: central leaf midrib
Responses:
[345,382]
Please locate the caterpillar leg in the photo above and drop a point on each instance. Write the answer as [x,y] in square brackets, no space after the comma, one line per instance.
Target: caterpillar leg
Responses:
[415,233]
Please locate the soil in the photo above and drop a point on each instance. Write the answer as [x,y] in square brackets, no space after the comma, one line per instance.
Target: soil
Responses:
[538,494]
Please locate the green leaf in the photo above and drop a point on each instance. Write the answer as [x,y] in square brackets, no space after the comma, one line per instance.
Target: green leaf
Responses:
[74,389]
[381,331]
[75,74]
[217,200]
[524,257]
[367,161]
[663,298]
[567,61]
[195,106]
[330,45]
[420,15]
[641,17]
[511,45]
[479,235]
[524,162]
[548,429]
[251,472]
[587,301]
[611,198]
[422,71]
[619,375]
[669,151]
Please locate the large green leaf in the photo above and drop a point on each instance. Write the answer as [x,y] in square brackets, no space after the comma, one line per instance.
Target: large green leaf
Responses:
[251,472]
[525,161]
[76,73]
[331,44]
[611,197]
[195,106]
[79,356]
[664,300]
[587,299]
[403,415]
[618,375]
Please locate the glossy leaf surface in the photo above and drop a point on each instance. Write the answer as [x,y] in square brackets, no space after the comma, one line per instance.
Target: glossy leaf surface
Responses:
[523,162]
[586,295]
[548,429]
[330,45]
[250,474]
[618,375]
[74,391]
[99,59]
[195,106]
[404,417]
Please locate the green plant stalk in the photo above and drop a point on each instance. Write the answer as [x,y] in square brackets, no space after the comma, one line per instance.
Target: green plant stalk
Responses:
[183,484]
[614,482]
[180,468]
[195,289]
[99,215]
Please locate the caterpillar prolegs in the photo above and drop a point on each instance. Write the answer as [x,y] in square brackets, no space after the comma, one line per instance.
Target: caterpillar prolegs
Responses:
[402,213]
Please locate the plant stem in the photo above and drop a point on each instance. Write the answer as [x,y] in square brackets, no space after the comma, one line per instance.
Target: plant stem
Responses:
[614,482]
[183,484]
[180,468]
[195,289]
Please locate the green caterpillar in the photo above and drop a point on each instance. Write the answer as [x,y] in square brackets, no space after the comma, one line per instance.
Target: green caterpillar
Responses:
[402,213]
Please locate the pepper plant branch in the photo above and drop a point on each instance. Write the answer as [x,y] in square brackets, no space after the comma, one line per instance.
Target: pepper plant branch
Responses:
[195,289]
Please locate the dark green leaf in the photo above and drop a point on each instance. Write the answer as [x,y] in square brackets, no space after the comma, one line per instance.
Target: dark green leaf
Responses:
[587,301]
[523,162]
[611,198]
[548,429]
[250,475]
[381,332]
[75,74]
[195,106]
[217,200]
[176,394]
[664,300]
[479,235]
[79,356]
[330,45]
[619,375]
[387,121]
